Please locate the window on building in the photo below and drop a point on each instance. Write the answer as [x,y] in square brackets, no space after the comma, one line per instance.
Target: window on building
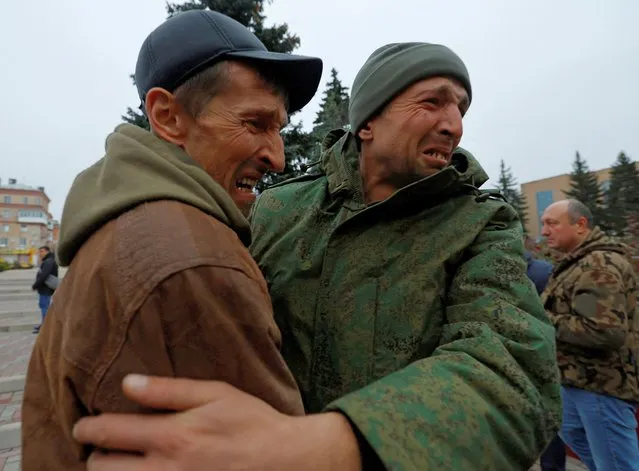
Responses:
[25,200]
[7,214]
[24,228]
[38,201]
[23,242]
[7,199]
[6,228]
[543,200]
[4,242]
[31,214]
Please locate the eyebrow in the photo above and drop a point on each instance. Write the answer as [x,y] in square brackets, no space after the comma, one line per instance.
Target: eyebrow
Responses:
[267,112]
[464,102]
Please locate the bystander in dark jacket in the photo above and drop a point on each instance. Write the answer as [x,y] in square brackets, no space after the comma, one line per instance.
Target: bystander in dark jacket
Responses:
[554,457]
[45,283]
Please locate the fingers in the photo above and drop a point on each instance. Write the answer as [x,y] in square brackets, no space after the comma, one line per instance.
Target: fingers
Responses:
[174,393]
[126,432]
[117,462]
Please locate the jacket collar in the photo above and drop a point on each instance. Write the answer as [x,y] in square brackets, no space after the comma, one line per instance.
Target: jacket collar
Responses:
[596,240]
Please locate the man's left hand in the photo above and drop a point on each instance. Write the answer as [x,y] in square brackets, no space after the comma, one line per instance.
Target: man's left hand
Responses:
[216,427]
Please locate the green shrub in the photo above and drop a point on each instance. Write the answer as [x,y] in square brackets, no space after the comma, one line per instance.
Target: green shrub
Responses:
[4,265]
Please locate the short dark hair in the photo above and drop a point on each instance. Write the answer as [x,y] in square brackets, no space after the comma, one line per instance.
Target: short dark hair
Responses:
[45,247]
[197,91]
[578,210]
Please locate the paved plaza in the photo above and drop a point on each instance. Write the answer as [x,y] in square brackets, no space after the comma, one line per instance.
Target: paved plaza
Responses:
[18,315]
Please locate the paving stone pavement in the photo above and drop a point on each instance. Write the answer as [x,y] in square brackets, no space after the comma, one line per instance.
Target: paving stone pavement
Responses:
[10,407]
[18,304]
[10,459]
[15,351]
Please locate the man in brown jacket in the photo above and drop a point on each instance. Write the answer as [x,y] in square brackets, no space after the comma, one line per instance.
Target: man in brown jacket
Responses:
[160,280]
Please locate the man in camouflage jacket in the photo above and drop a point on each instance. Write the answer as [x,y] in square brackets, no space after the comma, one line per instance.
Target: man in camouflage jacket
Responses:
[401,289]
[591,300]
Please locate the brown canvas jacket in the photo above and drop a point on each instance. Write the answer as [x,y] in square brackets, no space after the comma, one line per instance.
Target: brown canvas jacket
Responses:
[162,289]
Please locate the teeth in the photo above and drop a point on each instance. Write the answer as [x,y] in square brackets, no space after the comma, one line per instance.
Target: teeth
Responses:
[248,181]
[246,184]
[436,155]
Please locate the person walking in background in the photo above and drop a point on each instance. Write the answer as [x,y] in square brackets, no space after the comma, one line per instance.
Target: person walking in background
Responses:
[591,299]
[44,285]
[554,457]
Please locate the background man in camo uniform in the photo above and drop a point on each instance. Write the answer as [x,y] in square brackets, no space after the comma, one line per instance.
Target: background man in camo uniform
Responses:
[591,300]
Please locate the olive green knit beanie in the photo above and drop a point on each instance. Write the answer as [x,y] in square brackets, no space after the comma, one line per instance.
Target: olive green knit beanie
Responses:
[393,68]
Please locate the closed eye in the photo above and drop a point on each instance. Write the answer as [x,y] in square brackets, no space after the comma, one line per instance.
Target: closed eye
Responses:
[255,124]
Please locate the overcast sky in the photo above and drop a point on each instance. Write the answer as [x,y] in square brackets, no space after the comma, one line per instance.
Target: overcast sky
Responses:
[549,77]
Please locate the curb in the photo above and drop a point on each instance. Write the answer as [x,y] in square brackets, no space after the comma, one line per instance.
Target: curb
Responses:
[12,383]
[24,327]
[10,436]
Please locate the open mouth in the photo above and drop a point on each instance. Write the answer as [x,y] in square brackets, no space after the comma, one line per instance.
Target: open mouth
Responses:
[246,185]
[437,155]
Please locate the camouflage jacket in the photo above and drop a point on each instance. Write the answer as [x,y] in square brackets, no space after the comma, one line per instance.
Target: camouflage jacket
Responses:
[413,316]
[591,299]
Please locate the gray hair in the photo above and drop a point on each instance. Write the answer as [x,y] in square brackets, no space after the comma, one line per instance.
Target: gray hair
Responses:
[197,91]
[578,210]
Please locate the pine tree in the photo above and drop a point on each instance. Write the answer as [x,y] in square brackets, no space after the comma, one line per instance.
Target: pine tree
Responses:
[136,117]
[276,38]
[508,187]
[251,14]
[622,198]
[584,186]
[248,12]
[301,149]
[333,112]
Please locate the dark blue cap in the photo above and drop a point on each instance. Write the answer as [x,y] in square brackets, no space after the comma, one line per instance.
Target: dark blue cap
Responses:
[192,41]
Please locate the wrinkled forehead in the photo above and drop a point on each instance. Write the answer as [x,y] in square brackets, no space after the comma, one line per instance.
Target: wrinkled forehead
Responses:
[442,85]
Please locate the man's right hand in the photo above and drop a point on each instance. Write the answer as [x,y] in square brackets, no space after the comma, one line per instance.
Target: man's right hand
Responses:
[217,427]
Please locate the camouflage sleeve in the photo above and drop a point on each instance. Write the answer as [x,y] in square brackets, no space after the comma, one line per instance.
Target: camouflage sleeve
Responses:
[597,318]
[488,397]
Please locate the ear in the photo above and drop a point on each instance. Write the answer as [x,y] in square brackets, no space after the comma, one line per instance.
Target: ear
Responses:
[583,223]
[366,133]
[167,117]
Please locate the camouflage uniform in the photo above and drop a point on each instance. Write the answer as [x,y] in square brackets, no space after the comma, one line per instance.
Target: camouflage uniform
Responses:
[412,316]
[591,299]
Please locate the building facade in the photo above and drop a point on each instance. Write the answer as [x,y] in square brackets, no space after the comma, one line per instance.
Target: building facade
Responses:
[25,222]
[540,194]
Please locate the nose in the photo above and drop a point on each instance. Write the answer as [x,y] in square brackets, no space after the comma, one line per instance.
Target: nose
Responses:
[450,122]
[544,231]
[273,156]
